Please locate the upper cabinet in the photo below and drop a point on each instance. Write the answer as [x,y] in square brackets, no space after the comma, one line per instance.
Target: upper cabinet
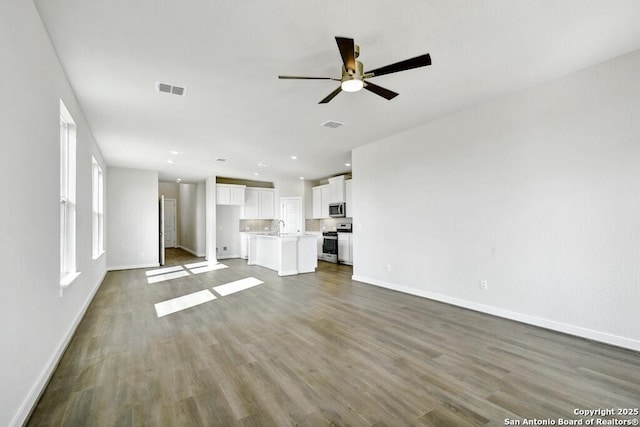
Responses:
[267,203]
[348,197]
[321,202]
[336,189]
[260,203]
[230,194]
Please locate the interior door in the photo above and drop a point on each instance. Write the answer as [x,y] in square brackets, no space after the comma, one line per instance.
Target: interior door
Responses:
[161,231]
[170,223]
[291,214]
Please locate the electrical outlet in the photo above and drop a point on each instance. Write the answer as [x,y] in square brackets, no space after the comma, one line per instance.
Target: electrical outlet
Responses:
[389,268]
[224,248]
[484,285]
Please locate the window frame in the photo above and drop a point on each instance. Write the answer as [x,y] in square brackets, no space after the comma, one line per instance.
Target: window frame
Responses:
[97,208]
[68,153]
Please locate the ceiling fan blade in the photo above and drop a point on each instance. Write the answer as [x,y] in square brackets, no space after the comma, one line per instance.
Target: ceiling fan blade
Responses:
[306,78]
[331,95]
[379,90]
[347,52]
[407,64]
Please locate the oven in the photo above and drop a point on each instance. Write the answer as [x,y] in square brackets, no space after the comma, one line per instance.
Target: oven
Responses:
[330,246]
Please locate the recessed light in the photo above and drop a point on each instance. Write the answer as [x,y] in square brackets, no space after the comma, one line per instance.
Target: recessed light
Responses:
[174,152]
[293,157]
[170,161]
[347,164]
[263,164]
[302,177]
[179,180]
[256,174]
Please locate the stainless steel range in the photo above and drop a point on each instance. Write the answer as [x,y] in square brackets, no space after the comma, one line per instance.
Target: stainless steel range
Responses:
[330,246]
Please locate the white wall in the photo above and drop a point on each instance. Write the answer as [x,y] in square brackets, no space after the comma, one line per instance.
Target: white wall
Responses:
[289,188]
[536,192]
[201,244]
[308,199]
[191,222]
[132,218]
[228,232]
[36,322]
[187,212]
[210,218]
[170,190]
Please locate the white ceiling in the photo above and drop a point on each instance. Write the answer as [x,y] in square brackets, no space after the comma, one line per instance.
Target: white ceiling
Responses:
[228,53]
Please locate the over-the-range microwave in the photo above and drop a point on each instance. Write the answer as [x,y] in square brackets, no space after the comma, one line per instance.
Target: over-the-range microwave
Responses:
[337,210]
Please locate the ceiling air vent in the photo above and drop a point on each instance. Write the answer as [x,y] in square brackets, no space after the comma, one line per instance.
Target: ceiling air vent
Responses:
[167,88]
[331,124]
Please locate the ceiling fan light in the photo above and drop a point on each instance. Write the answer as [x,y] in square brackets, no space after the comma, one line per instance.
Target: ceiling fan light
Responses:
[352,85]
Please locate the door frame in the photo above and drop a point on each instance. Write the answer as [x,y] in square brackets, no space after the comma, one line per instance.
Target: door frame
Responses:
[301,213]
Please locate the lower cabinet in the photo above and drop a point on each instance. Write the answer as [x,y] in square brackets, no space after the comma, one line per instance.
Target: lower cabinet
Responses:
[244,245]
[320,242]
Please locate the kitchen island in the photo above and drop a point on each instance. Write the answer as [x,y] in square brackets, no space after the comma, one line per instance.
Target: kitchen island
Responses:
[287,255]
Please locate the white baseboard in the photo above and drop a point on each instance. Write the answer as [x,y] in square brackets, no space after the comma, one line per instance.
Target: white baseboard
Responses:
[29,403]
[287,272]
[192,252]
[133,266]
[512,315]
[229,256]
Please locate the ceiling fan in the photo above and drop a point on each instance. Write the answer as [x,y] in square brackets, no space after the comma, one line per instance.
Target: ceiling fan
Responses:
[353,78]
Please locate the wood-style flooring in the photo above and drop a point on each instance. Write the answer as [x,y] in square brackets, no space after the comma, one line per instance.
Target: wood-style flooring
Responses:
[314,350]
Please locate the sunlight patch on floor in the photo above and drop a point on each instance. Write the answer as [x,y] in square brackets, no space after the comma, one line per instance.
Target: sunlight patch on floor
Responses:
[197,264]
[206,268]
[182,303]
[167,276]
[163,270]
[237,286]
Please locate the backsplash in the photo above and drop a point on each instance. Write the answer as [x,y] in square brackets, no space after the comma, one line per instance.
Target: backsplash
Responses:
[254,225]
[326,224]
[313,225]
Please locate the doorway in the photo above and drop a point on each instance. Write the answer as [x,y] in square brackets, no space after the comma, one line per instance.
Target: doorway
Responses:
[291,214]
[170,238]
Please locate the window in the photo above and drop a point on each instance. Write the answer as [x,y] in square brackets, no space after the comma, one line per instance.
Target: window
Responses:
[67,197]
[98,208]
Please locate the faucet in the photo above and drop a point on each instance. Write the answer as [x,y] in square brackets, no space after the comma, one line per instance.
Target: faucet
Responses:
[278,227]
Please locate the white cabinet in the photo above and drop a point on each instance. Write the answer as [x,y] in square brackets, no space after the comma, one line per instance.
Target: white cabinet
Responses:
[345,251]
[230,194]
[336,189]
[259,203]
[320,242]
[267,206]
[317,201]
[348,197]
[321,201]
[251,207]
[244,245]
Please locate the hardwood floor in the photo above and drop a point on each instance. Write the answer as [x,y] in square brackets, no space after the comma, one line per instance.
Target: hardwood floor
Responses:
[318,349]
